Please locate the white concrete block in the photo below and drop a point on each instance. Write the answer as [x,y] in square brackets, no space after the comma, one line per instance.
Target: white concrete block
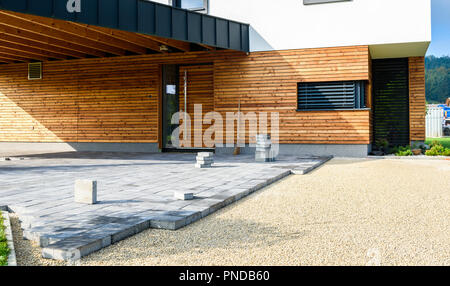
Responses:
[203,166]
[204,158]
[205,161]
[262,137]
[205,154]
[86,192]
[179,195]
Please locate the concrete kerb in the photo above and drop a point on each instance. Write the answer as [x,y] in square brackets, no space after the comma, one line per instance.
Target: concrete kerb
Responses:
[312,168]
[241,195]
[92,241]
[12,260]
[420,157]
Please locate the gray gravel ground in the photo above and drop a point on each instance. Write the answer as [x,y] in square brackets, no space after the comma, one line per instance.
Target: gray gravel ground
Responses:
[28,253]
[349,212]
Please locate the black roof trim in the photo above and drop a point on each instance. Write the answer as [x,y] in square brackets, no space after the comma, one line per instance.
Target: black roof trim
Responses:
[143,17]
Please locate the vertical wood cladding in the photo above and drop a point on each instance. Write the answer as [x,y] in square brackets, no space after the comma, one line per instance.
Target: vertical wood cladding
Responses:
[116,99]
[417,103]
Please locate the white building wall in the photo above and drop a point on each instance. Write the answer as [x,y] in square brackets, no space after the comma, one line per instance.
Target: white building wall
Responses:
[167,2]
[289,24]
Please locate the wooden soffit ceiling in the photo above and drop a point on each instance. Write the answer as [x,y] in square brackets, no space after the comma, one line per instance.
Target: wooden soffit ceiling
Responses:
[43,30]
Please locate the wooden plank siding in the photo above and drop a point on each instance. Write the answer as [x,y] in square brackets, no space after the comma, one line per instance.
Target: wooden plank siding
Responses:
[104,100]
[267,81]
[417,103]
[116,99]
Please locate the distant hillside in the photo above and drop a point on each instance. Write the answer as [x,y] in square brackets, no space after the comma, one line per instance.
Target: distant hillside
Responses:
[437,79]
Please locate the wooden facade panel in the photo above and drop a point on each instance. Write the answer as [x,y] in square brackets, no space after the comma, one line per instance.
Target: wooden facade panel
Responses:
[116,99]
[105,101]
[267,82]
[417,102]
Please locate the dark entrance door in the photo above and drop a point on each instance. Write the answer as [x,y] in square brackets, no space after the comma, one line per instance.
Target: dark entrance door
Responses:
[170,103]
[391,101]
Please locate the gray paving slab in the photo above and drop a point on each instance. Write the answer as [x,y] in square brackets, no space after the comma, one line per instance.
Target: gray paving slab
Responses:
[135,192]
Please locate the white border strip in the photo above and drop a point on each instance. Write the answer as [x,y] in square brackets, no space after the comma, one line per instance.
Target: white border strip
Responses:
[12,261]
[419,157]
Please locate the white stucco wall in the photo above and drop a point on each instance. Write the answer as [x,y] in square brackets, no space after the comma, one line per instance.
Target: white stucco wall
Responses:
[167,2]
[392,28]
[289,24]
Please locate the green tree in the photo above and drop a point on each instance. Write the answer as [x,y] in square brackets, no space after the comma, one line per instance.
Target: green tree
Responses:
[437,79]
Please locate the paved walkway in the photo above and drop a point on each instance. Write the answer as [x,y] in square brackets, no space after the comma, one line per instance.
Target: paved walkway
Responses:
[135,193]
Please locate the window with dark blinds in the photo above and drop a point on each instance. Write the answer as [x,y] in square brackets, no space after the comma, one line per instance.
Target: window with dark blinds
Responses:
[333,95]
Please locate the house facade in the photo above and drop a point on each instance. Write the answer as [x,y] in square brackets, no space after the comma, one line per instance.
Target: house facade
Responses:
[97,75]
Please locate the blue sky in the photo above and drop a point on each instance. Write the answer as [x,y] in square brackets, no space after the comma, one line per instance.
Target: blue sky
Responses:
[440,21]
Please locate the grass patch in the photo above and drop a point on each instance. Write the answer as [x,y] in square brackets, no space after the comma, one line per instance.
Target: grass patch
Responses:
[402,151]
[437,149]
[4,250]
[444,141]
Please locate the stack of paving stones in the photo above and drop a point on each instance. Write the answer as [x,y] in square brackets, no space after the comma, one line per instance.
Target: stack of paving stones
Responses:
[263,149]
[204,160]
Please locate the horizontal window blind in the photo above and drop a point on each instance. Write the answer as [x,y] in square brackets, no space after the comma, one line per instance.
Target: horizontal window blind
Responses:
[331,95]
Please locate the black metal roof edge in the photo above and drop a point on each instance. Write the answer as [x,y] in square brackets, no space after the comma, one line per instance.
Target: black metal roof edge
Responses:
[145,17]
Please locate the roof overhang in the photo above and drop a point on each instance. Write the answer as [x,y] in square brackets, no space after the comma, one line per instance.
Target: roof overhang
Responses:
[40,30]
[399,50]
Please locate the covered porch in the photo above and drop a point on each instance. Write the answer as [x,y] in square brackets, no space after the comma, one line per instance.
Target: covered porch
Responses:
[92,80]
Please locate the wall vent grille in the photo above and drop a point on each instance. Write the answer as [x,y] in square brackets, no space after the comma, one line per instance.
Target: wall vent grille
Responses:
[34,71]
